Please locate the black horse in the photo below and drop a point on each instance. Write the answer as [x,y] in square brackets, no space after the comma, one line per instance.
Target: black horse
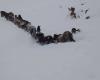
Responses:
[40,37]
[4,14]
[11,16]
[48,39]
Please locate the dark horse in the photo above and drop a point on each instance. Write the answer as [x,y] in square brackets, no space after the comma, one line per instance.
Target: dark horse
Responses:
[65,37]
[4,14]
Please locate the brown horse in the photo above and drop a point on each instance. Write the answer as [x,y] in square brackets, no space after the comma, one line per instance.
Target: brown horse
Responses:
[66,36]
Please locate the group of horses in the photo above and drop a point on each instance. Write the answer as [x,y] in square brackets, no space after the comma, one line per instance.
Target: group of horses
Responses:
[19,21]
[36,31]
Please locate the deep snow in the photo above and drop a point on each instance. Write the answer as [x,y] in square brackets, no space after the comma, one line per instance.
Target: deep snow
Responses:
[21,58]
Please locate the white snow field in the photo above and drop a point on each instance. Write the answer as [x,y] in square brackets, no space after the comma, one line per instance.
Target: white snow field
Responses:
[21,58]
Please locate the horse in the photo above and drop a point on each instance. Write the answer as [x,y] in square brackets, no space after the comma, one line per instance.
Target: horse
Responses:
[33,32]
[45,39]
[4,14]
[11,16]
[55,37]
[40,38]
[48,39]
[65,37]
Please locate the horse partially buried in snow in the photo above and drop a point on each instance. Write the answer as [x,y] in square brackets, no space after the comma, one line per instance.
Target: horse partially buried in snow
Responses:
[11,16]
[4,14]
[65,37]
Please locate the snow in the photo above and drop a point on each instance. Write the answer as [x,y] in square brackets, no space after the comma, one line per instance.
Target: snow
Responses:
[21,58]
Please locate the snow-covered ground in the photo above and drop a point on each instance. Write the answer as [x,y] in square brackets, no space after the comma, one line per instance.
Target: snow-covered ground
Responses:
[21,58]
